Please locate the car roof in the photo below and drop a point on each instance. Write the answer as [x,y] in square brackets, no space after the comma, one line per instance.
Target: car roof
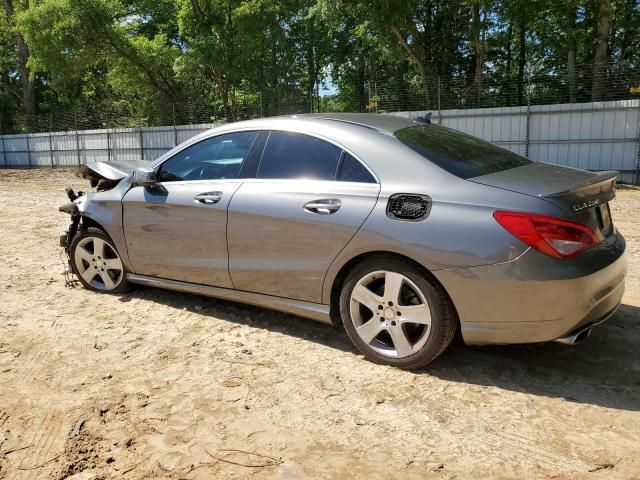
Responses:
[387,124]
[380,122]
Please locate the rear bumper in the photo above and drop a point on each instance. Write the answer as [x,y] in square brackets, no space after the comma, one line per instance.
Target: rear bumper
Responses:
[536,298]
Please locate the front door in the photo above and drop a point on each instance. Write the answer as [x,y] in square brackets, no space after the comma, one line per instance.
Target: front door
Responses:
[177,229]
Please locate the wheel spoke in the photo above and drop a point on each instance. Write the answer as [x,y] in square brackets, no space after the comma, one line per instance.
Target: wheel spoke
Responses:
[112,264]
[84,254]
[416,314]
[98,247]
[366,297]
[370,330]
[87,273]
[106,279]
[400,342]
[392,286]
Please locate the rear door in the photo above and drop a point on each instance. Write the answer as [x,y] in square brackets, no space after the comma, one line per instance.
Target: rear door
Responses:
[287,225]
[177,229]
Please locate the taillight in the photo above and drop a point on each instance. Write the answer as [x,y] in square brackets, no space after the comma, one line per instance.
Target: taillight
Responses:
[552,236]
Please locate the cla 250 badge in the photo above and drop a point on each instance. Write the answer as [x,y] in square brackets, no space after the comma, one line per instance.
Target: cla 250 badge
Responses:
[582,206]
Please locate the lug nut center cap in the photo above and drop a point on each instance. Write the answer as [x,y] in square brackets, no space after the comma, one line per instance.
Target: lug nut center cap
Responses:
[389,313]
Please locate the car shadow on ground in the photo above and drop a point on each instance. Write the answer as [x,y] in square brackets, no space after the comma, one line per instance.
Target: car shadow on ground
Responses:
[604,370]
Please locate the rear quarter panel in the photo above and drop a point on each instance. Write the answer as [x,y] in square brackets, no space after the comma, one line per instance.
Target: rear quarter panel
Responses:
[459,231]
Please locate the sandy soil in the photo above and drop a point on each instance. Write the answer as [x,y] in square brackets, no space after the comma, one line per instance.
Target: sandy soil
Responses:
[154,384]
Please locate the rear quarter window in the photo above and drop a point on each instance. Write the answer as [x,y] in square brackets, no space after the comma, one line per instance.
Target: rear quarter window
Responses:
[458,153]
[352,170]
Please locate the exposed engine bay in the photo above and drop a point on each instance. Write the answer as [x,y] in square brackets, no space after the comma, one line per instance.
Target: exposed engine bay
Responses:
[96,180]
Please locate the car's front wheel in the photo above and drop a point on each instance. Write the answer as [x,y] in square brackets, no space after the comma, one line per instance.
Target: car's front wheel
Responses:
[96,262]
[394,314]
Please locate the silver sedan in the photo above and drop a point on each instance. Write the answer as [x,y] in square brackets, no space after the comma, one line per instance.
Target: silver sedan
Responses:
[401,231]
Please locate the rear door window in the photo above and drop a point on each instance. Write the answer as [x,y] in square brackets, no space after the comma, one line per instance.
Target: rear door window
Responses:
[457,153]
[295,155]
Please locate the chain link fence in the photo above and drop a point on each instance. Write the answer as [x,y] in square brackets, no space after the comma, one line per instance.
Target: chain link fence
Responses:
[584,83]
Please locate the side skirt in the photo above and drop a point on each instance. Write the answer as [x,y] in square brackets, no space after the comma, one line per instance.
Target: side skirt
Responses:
[314,311]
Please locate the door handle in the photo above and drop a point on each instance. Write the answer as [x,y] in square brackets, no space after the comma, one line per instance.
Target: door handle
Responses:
[208,198]
[325,206]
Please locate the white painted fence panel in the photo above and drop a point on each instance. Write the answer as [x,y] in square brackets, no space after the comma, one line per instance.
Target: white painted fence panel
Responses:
[593,136]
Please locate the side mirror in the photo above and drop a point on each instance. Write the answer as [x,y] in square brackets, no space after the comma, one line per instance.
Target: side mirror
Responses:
[144,177]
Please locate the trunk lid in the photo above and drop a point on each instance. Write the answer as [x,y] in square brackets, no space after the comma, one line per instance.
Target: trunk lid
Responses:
[583,195]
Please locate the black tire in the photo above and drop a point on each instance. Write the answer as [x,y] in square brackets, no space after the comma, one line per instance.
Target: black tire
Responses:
[444,320]
[120,282]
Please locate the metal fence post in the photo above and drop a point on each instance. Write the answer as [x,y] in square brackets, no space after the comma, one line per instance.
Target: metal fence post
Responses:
[4,152]
[526,131]
[28,151]
[108,145]
[375,94]
[75,124]
[141,142]
[50,141]
[528,120]
[439,104]
[175,130]
[637,179]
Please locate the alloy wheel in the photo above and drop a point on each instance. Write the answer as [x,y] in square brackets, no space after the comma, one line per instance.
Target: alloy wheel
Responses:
[98,263]
[390,313]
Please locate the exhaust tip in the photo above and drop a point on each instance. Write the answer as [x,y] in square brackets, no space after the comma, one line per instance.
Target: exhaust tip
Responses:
[582,336]
[576,337]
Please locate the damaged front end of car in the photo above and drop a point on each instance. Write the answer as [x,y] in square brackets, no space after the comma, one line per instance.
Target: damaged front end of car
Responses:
[100,207]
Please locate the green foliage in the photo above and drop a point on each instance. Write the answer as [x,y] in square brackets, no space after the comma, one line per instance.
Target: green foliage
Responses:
[136,62]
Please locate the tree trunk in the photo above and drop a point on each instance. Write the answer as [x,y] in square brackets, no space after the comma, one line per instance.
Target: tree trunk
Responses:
[223,88]
[508,68]
[312,74]
[361,97]
[28,97]
[601,53]
[572,11]
[522,61]
[627,31]
[417,60]
[476,47]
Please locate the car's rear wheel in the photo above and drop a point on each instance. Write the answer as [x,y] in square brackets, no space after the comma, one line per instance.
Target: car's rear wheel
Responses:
[395,314]
[96,262]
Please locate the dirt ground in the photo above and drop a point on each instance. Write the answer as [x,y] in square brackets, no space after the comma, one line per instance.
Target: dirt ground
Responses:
[156,384]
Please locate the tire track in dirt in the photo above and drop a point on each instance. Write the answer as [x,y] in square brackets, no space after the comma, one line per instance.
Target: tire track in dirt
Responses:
[47,443]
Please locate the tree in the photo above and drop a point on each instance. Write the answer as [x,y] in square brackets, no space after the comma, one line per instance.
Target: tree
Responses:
[22,57]
[70,38]
[601,52]
[478,25]
[128,62]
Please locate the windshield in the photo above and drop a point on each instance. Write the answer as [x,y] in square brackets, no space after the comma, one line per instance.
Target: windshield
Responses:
[460,154]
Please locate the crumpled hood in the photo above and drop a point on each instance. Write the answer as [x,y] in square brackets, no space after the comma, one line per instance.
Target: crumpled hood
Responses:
[115,170]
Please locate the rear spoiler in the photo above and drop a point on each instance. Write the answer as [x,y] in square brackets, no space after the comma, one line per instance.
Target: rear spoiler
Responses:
[601,180]
[597,190]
